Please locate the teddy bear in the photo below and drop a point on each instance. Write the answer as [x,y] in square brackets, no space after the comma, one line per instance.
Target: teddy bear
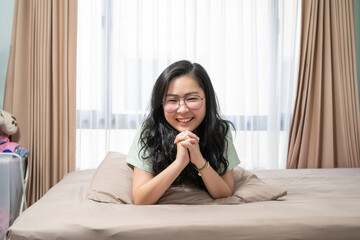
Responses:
[8,127]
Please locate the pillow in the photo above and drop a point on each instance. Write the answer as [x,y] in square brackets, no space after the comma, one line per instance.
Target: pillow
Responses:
[112,183]
[247,188]
[112,180]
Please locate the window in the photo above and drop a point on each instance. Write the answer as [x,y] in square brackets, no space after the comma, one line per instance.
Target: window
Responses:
[249,49]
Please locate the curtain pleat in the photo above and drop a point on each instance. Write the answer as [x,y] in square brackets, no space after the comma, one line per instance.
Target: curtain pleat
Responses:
[325,127]
[40,89]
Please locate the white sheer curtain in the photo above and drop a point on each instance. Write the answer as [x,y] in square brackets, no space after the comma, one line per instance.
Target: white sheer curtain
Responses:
[249,48]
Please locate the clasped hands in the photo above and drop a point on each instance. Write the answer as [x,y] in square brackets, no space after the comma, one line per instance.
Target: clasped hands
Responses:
[188,149]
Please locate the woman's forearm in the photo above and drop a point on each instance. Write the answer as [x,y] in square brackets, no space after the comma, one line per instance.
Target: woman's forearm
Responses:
[151,191]
[218,186]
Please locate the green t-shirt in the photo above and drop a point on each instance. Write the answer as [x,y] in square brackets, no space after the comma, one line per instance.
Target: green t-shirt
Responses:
[135,159]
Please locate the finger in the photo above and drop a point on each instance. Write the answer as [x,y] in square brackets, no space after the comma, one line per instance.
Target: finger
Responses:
[182,137]
[178,138]
[192,141]
[188,143]
[186,135]
[184,144]
[192,135]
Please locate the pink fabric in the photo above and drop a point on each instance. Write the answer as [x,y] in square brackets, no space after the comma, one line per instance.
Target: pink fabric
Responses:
[6,144]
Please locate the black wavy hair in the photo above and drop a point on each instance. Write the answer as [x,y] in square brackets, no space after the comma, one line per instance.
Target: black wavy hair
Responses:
[157,136]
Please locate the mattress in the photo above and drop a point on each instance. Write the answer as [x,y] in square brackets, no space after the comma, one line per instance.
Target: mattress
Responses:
[320,204]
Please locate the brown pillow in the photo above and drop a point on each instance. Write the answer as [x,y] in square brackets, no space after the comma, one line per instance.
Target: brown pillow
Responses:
[112,180]
[247,188]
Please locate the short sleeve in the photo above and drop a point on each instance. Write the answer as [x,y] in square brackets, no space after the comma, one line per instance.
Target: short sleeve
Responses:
[231,154]
[134,156]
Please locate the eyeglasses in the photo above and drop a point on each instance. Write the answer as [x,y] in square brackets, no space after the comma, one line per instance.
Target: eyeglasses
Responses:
[193,102]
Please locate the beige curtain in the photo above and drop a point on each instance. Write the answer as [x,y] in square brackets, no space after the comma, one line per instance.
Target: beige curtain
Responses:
[325,131]
[40,88]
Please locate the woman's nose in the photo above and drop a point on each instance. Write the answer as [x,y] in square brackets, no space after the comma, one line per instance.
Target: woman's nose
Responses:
[182,107]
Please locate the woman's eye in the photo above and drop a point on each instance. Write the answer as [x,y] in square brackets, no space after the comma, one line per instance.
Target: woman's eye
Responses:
[171,100]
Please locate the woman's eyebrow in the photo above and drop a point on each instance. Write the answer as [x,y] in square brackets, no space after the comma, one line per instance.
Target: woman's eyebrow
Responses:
[175,95]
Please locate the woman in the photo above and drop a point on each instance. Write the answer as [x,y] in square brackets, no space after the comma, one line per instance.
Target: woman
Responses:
[183,140]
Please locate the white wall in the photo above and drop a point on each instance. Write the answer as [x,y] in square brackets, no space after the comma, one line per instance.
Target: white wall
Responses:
[6,19]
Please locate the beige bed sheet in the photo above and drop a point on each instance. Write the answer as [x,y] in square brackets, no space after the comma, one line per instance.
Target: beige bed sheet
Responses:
[320,204]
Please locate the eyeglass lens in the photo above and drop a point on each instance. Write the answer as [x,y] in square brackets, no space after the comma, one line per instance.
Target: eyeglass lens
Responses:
[171,104]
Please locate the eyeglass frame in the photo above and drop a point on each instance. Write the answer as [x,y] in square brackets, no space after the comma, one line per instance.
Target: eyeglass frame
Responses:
[183,99]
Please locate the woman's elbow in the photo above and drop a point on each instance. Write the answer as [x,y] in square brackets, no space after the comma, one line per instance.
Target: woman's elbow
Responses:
[223,194]
[142,201]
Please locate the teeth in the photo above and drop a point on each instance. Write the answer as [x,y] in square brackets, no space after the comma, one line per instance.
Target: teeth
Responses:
[184,120]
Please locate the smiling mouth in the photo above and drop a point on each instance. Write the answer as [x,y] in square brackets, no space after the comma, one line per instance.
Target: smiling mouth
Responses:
[184,120]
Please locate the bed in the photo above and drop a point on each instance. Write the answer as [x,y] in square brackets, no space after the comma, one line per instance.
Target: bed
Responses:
[276,204]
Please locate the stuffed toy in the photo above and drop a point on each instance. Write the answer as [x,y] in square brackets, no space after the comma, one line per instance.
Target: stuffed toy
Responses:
[8,127]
